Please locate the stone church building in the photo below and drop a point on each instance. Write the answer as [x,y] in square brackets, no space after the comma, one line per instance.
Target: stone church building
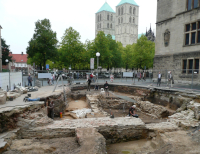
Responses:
[122,24]
[178,39]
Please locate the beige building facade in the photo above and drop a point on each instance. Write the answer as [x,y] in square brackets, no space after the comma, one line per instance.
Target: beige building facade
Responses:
[122,24]
[178,38]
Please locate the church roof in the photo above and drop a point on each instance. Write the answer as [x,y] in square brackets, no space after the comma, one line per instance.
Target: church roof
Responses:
[139,35]
[106,7]
[127,1]
[113,36]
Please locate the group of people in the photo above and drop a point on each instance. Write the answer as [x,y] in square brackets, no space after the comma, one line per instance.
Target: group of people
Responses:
[141,75]
[170,80]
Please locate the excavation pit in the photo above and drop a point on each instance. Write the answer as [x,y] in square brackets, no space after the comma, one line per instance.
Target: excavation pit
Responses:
[165,117]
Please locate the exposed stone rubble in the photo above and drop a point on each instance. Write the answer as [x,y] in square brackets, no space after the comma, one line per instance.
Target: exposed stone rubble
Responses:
[3,96]
[194,106]
[90,141]
[93,101]
[184,119]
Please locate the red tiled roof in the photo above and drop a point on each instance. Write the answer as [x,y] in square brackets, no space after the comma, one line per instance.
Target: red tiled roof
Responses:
[19,58]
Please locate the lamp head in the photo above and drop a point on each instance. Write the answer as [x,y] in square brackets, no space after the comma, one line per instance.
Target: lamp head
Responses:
[97,54]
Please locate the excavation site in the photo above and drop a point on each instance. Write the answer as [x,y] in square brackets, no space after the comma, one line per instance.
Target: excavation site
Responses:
[99,122]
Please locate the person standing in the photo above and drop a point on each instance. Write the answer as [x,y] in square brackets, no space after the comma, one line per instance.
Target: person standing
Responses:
[159,79]
[170,79]
[29,80]
[89,82]
[144,76]
[106,88]
[52,79]
[51,110]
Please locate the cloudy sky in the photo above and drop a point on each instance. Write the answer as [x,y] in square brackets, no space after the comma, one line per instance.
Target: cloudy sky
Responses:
[18,17]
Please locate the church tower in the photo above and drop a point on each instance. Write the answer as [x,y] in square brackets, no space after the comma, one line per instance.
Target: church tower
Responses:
[105,20]
[126,22]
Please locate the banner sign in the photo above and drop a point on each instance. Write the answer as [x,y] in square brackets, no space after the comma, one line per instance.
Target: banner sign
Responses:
[44,75]
[47,66]
[128,74]
[91,63]
[111,78]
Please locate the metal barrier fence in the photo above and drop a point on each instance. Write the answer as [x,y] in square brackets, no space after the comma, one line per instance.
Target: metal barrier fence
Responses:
[182,78]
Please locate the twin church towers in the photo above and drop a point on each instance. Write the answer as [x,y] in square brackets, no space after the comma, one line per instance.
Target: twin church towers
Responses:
[122,24]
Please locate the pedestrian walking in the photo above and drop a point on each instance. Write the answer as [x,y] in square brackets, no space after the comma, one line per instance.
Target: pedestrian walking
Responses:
[106,88]
[91,77]
[159,79]
[89,82]
[52,79]
[139,76]
[144,76]
[29,80]
[170,79]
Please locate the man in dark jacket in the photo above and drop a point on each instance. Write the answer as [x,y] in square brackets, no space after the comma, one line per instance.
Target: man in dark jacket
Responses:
[132,111]
[29,80]
[89,82]
[51,110]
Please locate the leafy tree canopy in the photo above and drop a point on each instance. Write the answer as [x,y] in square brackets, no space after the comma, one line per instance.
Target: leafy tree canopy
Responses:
[43,45]
[5,52]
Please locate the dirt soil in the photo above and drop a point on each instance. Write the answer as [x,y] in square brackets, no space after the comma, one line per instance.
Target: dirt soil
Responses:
[178,142]
[67,145]
[145,118]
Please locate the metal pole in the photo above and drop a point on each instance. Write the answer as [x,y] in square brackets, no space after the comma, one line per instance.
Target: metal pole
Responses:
[134,76]
[9,80]
[97,68]
[192,77]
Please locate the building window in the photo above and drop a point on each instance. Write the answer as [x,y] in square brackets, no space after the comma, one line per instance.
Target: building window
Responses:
[130,10]
[192,33]
[196,3]
[193,38]
[119,21]
[196,65]
[184,65]
[192,4]
[111,26]
[119,11]
[190,66]
[111,17]
[134,10]
[133,20]
[100,25]
[107,25]
[130,19]
[122,11]
[100,17]
[108,17]
[198,38]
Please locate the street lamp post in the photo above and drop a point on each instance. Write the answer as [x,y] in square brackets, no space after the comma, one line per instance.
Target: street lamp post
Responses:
[7,61]
[97,54]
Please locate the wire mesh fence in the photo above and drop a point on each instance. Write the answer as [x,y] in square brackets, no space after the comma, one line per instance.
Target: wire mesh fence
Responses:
[179,78]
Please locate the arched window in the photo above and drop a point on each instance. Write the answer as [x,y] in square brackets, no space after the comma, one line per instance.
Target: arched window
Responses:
[111,26]
[134,10]
[121,20]
[130,19]
[130,10]
[111,17]
[122,9]
[108,17]
[119,11]
[133,20]
[100,17]
[100,25]
[107,25]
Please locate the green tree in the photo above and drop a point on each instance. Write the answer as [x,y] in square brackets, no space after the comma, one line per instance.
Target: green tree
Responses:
[71,48]
[127,57]
[144,51]
[43,45]
[5,52]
